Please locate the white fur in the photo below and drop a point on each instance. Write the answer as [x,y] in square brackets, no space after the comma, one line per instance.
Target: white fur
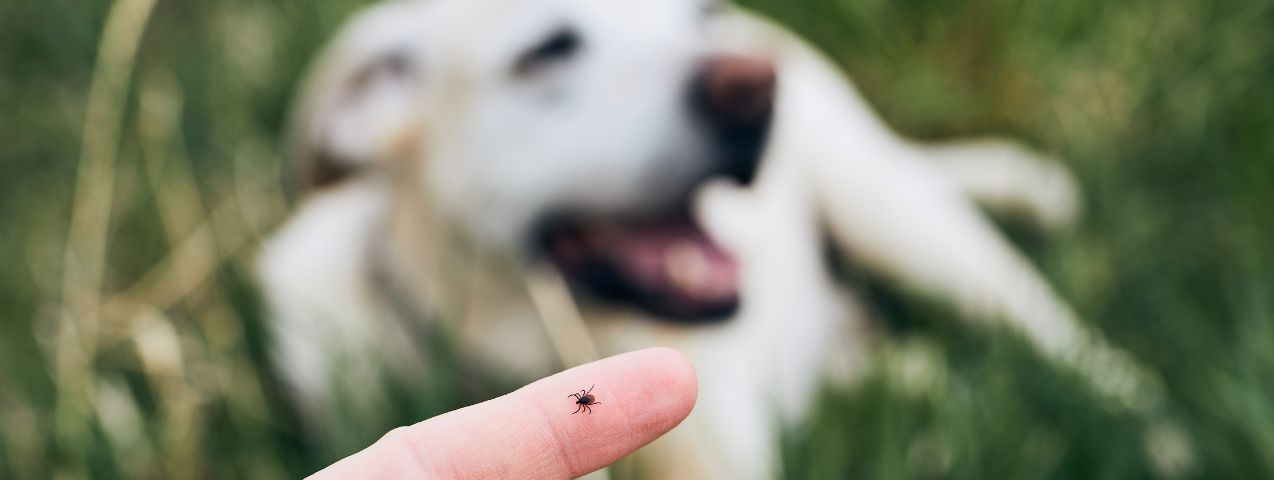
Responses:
[314,272]
[477,155]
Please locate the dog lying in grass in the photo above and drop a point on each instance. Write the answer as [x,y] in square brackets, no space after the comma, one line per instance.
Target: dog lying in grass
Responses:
[549,180]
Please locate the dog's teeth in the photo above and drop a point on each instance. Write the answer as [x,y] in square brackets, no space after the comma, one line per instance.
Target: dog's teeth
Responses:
[687,267]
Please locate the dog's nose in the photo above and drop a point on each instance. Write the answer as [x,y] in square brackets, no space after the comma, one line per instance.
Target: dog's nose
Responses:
[735,97]
[737,91]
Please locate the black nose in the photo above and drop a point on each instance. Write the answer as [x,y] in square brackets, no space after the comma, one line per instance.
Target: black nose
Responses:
[734,95]
[737,91]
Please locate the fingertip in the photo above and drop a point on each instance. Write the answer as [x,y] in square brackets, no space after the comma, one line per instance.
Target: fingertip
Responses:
[643,394]
[678,372]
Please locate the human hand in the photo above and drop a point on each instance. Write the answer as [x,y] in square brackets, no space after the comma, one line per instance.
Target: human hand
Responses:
[531,433]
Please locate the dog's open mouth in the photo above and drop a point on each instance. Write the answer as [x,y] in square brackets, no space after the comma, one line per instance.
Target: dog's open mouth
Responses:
[666,266]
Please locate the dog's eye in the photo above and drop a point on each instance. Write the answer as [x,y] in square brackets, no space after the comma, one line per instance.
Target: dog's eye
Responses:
[559,46]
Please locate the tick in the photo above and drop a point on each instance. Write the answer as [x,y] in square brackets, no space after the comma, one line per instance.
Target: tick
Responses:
[584,400]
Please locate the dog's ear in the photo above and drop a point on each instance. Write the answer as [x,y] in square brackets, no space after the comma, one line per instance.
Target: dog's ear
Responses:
[358,106]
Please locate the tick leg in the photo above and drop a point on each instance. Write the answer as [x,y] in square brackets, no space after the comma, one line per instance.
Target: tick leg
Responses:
[590,389]
[577,409]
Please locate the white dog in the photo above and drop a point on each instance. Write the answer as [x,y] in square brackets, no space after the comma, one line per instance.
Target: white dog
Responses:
[568,173]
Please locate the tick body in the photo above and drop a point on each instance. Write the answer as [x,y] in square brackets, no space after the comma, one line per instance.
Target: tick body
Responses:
[583,400]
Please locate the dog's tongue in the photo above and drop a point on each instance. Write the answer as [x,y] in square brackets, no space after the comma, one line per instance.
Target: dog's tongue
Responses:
[677,262]
[669,267]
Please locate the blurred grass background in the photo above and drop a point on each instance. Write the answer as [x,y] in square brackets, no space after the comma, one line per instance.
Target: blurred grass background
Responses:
[131,200]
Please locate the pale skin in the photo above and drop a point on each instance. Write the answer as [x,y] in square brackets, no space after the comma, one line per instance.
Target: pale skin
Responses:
[531,433]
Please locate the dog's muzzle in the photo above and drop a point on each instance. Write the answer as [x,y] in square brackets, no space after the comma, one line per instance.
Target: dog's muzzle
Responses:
[663,263]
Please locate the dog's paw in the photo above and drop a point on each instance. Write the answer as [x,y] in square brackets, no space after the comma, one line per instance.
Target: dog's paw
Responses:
[1010,180]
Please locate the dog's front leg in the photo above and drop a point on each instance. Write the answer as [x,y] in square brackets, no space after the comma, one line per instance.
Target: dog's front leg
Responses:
[898,215]
[763,368]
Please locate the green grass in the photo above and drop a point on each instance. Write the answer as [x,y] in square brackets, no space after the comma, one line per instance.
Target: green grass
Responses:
[1163,109]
